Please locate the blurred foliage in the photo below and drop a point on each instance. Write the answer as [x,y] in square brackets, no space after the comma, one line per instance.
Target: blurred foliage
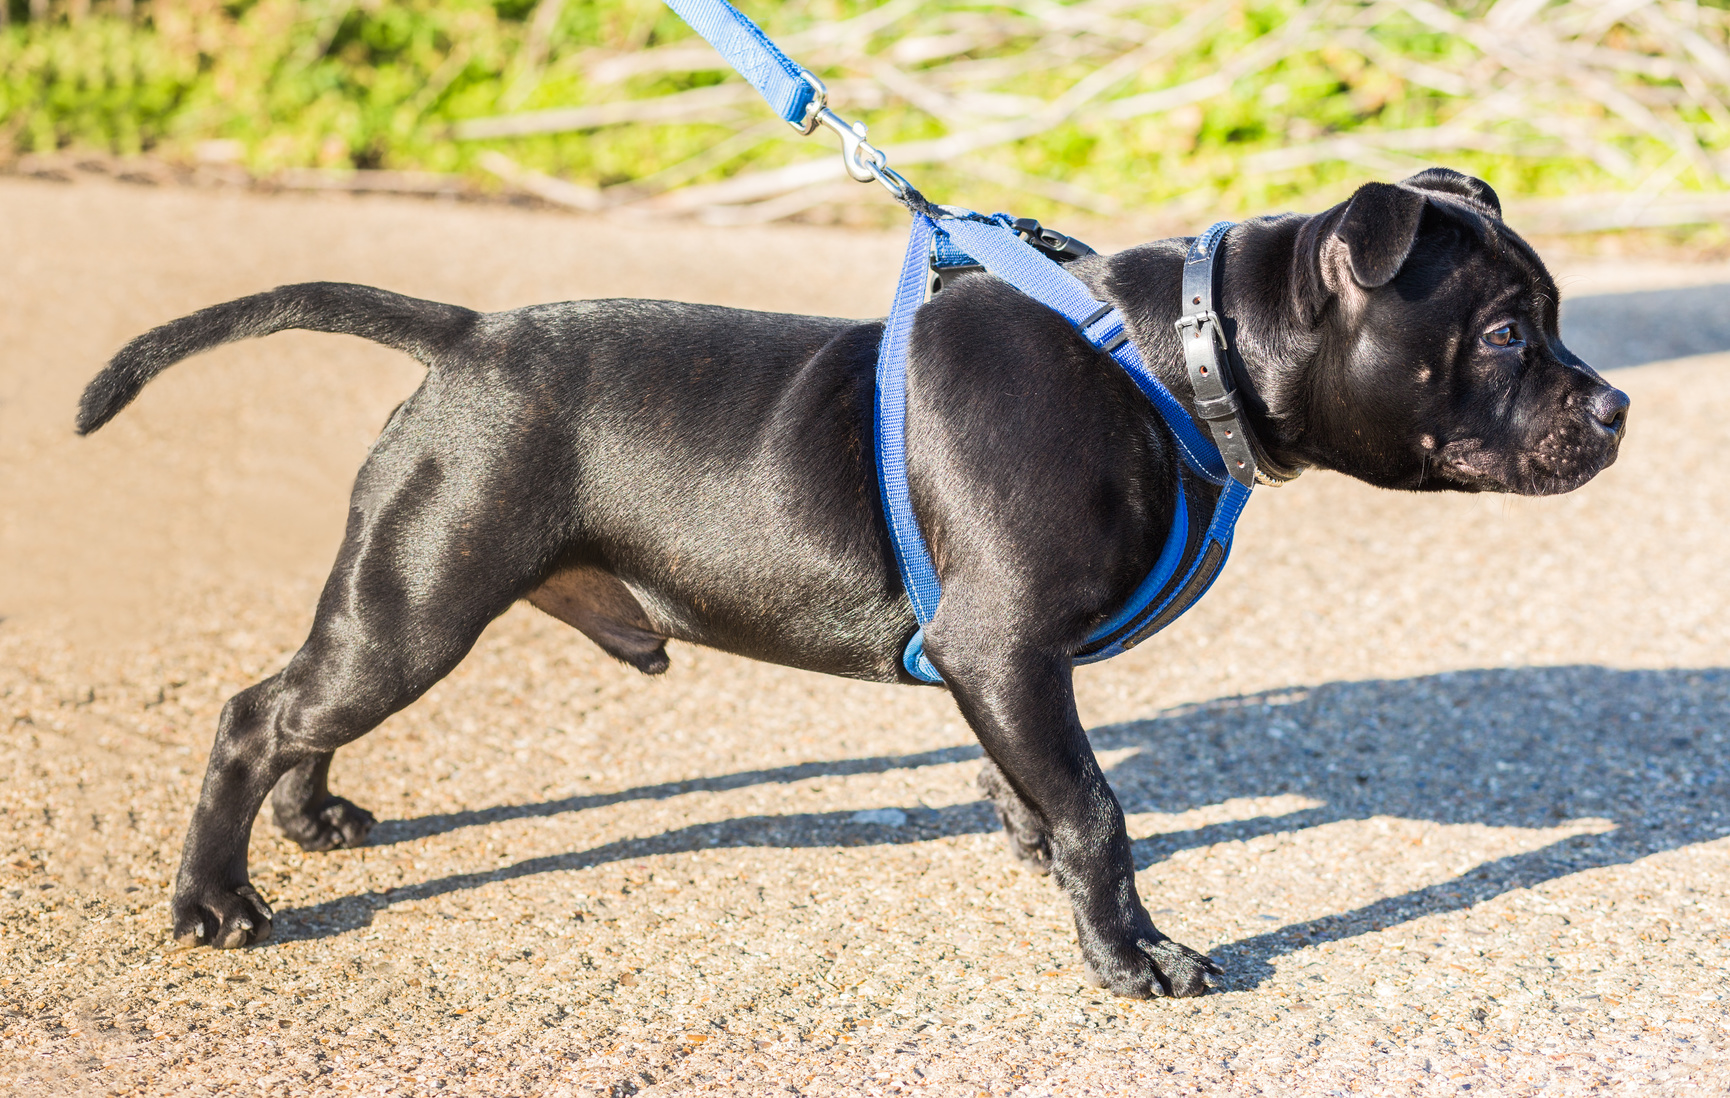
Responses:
[369,84]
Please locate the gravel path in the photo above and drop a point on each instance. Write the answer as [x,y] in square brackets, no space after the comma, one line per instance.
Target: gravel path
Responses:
[1440,781]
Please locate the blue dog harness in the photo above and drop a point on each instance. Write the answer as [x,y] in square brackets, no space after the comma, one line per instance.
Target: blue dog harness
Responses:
[1218,468]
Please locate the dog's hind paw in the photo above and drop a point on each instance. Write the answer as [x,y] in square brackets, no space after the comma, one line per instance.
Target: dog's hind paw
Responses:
[1022,826]
[1156,968]
[336,824]
[221,917]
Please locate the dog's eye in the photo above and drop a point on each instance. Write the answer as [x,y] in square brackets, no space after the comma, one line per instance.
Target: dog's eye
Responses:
[1502,337]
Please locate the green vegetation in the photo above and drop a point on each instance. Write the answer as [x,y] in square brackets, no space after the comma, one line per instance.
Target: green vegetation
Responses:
[1546,101]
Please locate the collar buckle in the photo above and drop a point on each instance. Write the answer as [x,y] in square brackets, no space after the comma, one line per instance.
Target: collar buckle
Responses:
[1197,320]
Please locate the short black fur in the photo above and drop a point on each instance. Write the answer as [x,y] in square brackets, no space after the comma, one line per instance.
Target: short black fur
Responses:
[650,471]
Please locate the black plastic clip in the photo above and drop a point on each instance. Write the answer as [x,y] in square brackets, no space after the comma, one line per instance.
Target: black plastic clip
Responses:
[1054,244]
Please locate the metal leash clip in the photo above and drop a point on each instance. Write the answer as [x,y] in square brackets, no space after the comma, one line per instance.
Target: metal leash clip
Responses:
[865,161]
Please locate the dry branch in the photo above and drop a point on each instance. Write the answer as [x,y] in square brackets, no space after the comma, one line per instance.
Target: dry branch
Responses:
[696,105]
[1593,213]
[1545,78]
[699,57]
[560,192]
[370,182]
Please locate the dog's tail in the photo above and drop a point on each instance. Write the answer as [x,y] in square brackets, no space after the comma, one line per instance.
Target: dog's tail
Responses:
[418,327]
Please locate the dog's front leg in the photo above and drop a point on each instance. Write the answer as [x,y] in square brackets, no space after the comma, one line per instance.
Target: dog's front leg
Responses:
[1021,705]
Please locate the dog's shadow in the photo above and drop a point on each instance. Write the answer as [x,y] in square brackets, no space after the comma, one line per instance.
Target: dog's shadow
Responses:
[1527,747]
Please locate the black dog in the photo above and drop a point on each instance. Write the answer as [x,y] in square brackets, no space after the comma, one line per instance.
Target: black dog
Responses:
[645,470]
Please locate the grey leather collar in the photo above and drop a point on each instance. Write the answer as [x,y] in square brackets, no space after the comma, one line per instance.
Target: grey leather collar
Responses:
[1207,357]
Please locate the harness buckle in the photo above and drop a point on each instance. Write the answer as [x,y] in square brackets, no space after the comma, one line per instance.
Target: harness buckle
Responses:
[1054,244]
[949,262]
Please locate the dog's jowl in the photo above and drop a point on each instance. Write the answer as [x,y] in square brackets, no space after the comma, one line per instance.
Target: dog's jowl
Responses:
[647,471]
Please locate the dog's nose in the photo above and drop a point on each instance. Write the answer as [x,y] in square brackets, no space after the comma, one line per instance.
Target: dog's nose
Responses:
[1610,408]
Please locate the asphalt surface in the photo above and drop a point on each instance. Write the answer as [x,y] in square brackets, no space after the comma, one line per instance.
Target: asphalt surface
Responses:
[1439,780]
[1614,331]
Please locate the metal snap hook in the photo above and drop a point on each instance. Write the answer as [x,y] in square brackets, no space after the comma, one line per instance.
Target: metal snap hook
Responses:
[863,159]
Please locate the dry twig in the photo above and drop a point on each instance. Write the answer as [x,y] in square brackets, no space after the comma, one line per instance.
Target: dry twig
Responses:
[1591,79]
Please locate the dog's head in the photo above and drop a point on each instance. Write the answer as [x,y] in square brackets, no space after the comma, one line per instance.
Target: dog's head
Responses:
[1437,359]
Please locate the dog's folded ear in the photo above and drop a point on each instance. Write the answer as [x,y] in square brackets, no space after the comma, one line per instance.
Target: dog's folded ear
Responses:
[1460,185]
[1378,228]
[1366,240]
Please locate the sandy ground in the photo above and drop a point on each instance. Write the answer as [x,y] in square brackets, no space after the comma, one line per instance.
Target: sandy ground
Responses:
[1440,781]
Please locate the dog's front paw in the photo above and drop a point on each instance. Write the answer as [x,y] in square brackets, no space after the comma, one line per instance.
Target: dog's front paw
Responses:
[226,918]
[1154,967]
[334,824]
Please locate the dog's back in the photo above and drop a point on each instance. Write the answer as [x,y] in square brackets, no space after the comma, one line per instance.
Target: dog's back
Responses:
[688,452]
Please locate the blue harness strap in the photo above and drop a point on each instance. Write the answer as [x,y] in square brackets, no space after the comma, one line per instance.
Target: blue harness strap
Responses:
[1222,466]
[918,575]
[1199,541]
[1016,262]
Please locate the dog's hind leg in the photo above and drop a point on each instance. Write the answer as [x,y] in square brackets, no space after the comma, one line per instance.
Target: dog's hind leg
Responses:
[437,546]
[309,813]
[1022,826]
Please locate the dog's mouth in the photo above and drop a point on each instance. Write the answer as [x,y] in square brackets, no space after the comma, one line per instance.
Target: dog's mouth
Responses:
[1558,463]
[1467,465]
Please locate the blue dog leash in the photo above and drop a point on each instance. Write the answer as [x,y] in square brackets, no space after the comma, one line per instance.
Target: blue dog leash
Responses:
[1221,462]
[775,76]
